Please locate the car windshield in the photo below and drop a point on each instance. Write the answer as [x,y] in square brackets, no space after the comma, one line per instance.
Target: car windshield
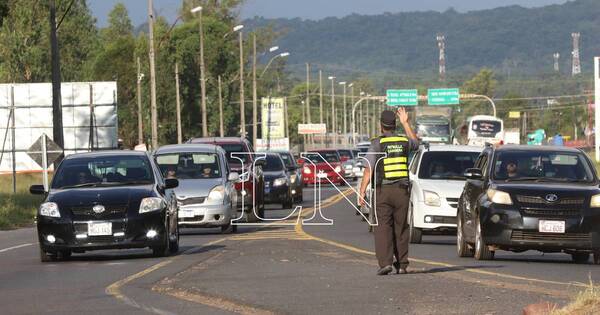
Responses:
[329,156]
[189,165]
[433,130]
[287,159]
[274,163]
[235,148]
[345,154]
[446,165]
[486,128]
[542,166]
[103,171]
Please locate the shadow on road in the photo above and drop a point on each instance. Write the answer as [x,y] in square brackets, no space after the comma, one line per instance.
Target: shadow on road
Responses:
[450,269]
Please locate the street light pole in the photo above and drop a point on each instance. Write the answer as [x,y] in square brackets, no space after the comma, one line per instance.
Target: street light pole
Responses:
[153,112]
[344,129]
[202,73]
[333,129]
[178,104]
[139,102]
[242,105]
[254,96]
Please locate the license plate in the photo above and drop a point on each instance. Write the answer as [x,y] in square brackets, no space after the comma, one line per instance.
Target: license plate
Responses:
[546,226]
[99,228]
[187,213]
[267,190]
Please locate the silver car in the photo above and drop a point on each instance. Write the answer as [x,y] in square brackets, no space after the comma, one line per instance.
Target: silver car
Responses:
[206,194]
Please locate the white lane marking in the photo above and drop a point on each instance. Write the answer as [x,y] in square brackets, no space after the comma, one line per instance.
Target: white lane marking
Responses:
[15,247]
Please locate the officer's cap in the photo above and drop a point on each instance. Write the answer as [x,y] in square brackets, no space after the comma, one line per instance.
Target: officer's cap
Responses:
[388,118]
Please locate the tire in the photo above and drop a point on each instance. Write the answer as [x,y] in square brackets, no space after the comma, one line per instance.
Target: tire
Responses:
[462,247]
[580,257]
[415,234]
[596,258]
[482,252]
[228,229]
[288,202]
[163,250]
[46,257]
[174,244]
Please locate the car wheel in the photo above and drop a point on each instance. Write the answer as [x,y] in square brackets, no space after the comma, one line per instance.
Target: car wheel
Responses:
[482,252]
[162,250]
[415,234]
[228,229]
[462,248]
[46,257]
[580,257]
[596,258]
[174,244]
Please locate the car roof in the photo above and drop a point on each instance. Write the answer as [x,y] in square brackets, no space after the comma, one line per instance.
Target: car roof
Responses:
[324,150]
[457,148]
[533,148]
[107,153]
[217,140]
[193,147]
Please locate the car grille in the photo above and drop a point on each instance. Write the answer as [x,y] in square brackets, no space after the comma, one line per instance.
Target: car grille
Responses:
[453,202]
[86,211]
[194,219]
[551,212]
[541,201]
[549,237]
[191,201]
[101,239]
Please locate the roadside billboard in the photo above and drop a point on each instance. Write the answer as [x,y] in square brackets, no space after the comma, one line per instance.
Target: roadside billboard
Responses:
[312,129]
[278,144]
[273,118]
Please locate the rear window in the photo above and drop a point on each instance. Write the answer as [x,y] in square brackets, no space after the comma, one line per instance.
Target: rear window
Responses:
[235,148]
[345,153]
[273,163]
[329,156]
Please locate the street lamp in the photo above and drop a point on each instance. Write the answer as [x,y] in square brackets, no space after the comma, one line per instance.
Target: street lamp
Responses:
[333,122]
[282,55]
[238,28]
[344,130]
[202,72]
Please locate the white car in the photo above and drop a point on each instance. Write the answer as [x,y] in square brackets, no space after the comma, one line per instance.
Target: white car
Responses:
[436,175]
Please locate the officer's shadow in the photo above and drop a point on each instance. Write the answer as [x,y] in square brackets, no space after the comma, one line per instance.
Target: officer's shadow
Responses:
[449,269]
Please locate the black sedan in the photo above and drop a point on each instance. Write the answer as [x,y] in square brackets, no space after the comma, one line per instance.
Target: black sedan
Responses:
[295,175]
[520,198]
[107,200]
[277,181]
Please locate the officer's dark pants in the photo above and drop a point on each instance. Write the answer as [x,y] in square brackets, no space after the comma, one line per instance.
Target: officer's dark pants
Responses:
[391,233]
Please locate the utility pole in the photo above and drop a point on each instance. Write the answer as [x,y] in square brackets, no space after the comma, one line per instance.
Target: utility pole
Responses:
[441,39]
[576,61]
[57,121]
[221,128]
[556,62]
[368,120]
[254,96]
[178,102]
[139,102]
[351,86]
[242,105]
[308,98]
[202,73]
[323,137]
[285,110]
[153,112]
[344,128]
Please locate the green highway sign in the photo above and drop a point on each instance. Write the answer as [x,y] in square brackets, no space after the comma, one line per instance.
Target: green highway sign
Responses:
[402,98]
[443,97]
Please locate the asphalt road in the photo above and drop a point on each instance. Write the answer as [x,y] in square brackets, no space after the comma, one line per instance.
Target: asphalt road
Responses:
[281,269]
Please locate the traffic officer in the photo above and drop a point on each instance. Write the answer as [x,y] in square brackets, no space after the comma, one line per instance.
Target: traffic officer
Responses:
[392,190]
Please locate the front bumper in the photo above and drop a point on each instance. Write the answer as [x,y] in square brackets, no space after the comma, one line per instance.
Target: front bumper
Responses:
[205,215]
[133,233]
[515,231]
[276,194]
[312,180]
[430,218]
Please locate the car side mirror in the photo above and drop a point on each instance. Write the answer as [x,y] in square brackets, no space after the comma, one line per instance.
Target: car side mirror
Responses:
[233,177]
[473,173]
[37,189]
[171,183]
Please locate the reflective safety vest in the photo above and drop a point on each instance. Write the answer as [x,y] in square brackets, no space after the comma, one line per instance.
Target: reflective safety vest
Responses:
[394,167]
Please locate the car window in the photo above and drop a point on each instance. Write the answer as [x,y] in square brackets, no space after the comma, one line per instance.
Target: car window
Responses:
[415,162]
[330,156]
[235,148]
[542,165]
[287,159]
[446,165]
[273,163]
[113,170]
[189,165]
[345,153]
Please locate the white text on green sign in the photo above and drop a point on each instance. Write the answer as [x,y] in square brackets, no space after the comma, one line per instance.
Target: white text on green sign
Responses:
[402,98]
[443,97]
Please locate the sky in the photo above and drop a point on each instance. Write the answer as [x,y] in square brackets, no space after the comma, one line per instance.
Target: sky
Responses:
[307,9]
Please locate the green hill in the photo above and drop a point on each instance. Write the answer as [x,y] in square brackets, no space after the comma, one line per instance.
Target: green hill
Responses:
[509,39]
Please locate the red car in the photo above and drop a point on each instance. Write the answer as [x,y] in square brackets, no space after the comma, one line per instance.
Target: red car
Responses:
[327,164]
[252,179]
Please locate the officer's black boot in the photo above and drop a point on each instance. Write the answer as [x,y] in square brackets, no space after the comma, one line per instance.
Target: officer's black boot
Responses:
[384,270]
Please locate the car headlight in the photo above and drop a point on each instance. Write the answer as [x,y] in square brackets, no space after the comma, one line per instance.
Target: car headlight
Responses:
[216,194]
[499,197]
[244,177]
[49,209]
[151,204]
[348,166]
[293,178]
[595,202]
[306,170]
[279,181]
[431,198]
[338,169]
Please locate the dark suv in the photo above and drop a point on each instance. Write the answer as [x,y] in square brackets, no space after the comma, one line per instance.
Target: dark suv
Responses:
[251,175]
[520,198]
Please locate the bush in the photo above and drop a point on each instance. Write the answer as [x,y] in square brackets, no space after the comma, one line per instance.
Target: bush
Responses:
[18,210]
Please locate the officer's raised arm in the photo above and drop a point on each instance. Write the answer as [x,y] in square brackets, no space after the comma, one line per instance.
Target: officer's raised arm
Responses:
[404,120]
